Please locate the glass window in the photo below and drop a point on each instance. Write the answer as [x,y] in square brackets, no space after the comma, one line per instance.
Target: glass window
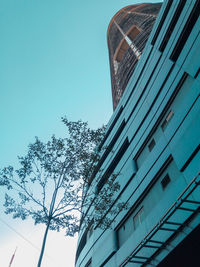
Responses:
[138,218]
[167,120]
[165,181]
[90,231]
[89,263]
[151,145]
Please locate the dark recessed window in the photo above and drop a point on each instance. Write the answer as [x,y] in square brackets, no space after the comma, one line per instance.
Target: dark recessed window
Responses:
[162,21]
[165,181]
[197,73]
[151,145]
[113,164]
[81,245]
[167,120]
[89,263]
[172,25]
[110,128]
[90,231]
[194,15]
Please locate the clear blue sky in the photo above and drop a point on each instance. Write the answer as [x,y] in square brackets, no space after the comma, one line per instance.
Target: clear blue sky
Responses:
[53,62]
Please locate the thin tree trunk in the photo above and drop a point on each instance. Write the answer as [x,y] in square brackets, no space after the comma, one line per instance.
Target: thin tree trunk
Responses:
[43,245]
[47,228]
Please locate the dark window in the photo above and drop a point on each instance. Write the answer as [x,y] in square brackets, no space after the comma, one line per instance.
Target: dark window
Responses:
[89,263]
[165,181]
[113,164]
[88,232]
[108,149]
[194,15]
[161,21]
[151,145]
[172,25]
[197,73]
[81,244]
[111,127]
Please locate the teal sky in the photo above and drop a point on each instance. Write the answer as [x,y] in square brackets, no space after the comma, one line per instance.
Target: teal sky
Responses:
[53,62]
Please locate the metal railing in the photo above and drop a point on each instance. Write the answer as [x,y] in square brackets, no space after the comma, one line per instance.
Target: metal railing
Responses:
[167,223]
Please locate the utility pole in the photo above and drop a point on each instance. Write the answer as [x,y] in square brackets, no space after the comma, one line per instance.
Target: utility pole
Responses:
[12,258]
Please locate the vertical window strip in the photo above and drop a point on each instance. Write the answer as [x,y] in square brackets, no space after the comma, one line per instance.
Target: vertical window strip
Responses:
[151,145]
[167,120]
[113,164]
[194,15]
[138,218]
[166,11]
[172,25]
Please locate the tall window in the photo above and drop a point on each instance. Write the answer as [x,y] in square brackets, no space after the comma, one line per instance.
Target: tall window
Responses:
[167,120]
[129,226]
[138,218]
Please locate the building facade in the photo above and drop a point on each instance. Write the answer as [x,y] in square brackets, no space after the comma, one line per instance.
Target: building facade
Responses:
[153,142]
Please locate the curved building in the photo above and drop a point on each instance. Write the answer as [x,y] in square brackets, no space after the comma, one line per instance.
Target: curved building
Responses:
[152,141]
[127,35]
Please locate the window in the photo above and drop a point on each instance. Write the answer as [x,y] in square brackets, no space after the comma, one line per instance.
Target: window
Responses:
[89,232]
[151,145]
[186,31]
[167,120]
[129,226]
[165,181]
[172,25]
[113,164]
[81,245]
[110,128]
[138,218]
[89,263]
[162,21]
[197,73]
[109,148]
[110,145]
